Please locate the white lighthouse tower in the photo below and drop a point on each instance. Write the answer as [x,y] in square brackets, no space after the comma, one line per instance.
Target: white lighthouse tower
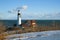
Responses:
[19,13]
[19,17]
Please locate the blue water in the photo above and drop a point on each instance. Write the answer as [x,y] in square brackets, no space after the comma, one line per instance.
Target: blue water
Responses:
[39,22]
[8,22]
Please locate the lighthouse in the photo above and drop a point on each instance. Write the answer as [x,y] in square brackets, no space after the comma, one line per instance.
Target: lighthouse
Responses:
[19,18]
[19,14]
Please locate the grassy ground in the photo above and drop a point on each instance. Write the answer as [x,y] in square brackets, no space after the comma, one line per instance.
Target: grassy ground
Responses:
[17,30]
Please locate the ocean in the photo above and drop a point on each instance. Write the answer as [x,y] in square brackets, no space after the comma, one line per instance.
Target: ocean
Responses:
[38,22]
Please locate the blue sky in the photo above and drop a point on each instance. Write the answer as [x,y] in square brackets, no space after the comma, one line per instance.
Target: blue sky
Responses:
[36,9]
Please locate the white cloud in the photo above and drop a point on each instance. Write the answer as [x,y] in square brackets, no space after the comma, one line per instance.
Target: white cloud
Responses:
[0,17]
[8,16]
[48,16]
[51,16]
[24,7]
